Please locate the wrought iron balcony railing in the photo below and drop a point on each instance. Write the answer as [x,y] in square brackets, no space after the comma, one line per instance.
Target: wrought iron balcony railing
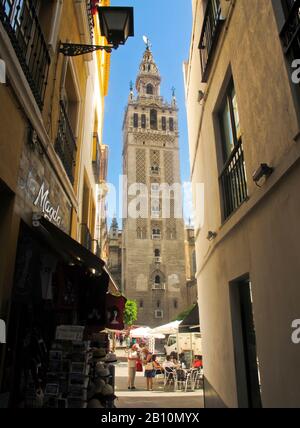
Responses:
[21,23]
[86,237]
[233,181]
[96,158]
[212,25]
[65,145]
[290,33]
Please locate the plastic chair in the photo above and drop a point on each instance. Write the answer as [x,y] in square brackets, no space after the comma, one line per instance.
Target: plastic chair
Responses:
[170,376]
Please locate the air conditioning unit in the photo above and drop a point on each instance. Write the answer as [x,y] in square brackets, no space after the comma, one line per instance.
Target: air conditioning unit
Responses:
[159,314]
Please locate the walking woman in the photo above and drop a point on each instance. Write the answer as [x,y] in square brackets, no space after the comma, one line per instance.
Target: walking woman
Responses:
[149,369]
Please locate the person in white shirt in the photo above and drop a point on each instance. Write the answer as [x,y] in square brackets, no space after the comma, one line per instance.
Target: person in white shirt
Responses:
[168,363]
[133,357]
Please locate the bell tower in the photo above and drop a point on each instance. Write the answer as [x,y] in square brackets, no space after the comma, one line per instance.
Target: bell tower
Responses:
[148,80]
[153,258]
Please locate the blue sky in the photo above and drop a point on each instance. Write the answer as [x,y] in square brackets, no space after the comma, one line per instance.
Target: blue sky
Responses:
[168,24]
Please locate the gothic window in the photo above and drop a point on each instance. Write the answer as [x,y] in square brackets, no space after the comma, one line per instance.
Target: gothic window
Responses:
[173,233]
[155,189]
[155,209]
[155,169]
[156,233]
[163,123]
[171,124]
[136,120]
[157,279]
[153,119]
[143,119]
[149,89]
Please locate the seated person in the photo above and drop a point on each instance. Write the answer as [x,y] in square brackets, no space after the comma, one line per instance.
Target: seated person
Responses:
[198,362]
[168,363]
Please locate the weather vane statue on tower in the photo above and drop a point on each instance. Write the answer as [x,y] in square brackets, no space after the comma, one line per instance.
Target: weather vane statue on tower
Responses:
[147,42]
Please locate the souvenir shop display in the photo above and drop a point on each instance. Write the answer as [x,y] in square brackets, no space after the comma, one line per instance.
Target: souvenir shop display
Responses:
[80,374]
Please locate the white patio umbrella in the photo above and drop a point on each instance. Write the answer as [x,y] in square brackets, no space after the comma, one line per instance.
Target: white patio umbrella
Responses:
[141,332]
[171,328]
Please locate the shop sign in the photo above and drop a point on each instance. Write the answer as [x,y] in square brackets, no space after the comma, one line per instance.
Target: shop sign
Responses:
[2,331]
[47,208]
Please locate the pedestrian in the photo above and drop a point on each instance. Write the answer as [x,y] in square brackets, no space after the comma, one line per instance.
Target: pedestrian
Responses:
[149,368]
[133,357]
[182,361]
[121,340]
[157,367]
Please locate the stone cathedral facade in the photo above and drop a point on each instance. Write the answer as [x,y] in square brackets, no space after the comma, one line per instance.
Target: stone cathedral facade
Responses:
[153,258]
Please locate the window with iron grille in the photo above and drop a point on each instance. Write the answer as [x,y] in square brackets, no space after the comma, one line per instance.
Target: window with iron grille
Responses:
[233,177]
[290,33]
[65,144]
[211,28]
[21,20]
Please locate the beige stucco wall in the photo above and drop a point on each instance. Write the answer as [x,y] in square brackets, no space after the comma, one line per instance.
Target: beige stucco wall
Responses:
[262,237]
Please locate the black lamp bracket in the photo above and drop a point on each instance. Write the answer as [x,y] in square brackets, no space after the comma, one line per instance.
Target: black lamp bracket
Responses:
[74,49]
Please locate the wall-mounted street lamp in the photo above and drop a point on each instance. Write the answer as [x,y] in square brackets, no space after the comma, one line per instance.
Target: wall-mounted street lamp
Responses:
[116,25]
[211,235]
[264,170]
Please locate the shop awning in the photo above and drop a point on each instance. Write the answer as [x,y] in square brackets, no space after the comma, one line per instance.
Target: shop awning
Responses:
[64,245]
[191,323]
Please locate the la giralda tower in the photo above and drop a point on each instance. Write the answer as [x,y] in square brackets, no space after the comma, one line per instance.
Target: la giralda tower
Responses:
[153,260]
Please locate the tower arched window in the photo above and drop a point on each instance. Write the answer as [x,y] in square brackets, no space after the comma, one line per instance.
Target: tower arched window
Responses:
[153,119]
[143,121]
[136,120]
[149,89]
[171,124]
[156,234]
[157,253]
[163,123]
[157,280]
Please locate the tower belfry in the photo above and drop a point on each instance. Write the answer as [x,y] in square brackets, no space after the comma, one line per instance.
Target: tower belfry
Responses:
[153,259]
